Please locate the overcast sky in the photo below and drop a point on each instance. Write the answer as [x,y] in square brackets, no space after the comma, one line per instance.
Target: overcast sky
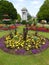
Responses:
[31,5]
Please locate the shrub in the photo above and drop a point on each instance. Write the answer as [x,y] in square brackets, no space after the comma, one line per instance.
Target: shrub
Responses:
[23,22]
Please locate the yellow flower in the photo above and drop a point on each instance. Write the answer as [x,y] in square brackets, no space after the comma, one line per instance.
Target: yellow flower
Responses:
[27,48]
[13,45]
[29,45]
[22,45]
[27,40]
[16,45]
[10,45]
[6,42]
[10,41]
[7,45]
[6,38]
[36,47]
[43,43]
[18,48]
[37,43]
[16,42]
[19,43]
[33,42]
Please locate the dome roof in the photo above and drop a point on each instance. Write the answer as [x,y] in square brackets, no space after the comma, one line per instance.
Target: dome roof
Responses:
[24,9]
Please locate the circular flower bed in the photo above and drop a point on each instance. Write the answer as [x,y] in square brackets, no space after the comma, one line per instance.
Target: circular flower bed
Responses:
[32,44]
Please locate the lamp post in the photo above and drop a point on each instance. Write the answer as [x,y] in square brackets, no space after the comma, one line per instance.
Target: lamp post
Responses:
[25,32]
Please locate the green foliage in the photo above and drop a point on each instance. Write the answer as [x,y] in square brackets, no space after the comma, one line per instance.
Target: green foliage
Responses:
[29,16]
[43,13]
[18,17]
[7,8]
[6,22]
[34,21]
[29,22]
[2,0]
[23,22]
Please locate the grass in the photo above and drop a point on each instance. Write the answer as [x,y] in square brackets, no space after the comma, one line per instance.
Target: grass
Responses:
[45,34]
[3,33]
[20,28]
[38,59]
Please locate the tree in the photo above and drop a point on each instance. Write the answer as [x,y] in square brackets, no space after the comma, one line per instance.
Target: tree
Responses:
[7,8]
[23,22]
[34,21]
[19,17]
[2,0]
[43,13]
[29,16]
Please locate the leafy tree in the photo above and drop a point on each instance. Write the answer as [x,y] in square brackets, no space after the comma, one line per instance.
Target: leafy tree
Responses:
[43,13]
[24,22]
[19,17]
[34,21]
[29,16]
[2,0]
[7,8]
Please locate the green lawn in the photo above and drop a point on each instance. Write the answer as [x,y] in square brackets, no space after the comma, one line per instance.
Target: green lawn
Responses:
[3,33]
[45,34]
[38,59]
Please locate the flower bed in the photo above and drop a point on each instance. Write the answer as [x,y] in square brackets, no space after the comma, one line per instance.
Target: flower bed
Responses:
[8,28]
[39,29]
[16,45]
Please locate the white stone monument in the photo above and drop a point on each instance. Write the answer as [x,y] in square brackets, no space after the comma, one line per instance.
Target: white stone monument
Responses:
[24,13]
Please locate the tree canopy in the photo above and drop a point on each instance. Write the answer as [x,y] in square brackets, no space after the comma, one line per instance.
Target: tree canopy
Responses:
[7,8]
[19,17]
[43,13]
[29,16]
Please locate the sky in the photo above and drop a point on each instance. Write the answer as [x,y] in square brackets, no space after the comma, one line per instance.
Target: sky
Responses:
[32,6]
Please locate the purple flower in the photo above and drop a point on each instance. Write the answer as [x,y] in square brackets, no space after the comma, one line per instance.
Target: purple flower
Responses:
[34,51]
[21,51]
[6,49]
